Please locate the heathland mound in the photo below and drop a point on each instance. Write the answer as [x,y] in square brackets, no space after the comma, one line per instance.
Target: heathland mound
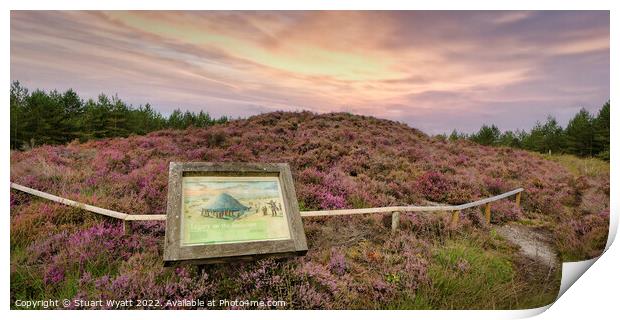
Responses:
[338,161]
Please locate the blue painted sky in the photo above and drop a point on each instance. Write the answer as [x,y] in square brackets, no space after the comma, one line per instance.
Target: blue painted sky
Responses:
[241,190]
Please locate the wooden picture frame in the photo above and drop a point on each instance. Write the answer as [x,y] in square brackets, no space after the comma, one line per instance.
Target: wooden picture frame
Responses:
[223,212]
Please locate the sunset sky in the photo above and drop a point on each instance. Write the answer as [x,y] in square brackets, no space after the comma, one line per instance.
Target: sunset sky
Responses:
[432,70]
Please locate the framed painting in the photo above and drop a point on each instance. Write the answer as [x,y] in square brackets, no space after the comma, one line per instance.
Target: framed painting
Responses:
[222,212]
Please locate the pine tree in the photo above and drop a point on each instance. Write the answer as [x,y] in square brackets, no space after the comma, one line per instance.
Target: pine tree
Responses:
[548,137]
[53,118]
[601,132]
[509,139]
[580,134]
[18,95]
[487,135]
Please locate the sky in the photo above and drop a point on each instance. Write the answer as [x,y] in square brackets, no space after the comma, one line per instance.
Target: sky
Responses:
[240,188]
[434,70]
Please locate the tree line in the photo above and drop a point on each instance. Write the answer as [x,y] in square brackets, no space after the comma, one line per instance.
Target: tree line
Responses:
[41,117]
[586,135]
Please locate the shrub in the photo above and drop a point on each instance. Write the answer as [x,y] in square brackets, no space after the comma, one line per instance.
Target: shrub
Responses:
[338,161]
[433,185]
[505,210]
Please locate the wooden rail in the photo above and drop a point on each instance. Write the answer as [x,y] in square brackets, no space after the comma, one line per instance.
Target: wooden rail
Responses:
[340,212]
[395,210]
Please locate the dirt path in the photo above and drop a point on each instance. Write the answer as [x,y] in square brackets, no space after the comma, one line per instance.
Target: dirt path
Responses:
[533,244]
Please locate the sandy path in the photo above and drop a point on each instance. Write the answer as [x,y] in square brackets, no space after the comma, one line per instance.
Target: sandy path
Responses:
[533,244]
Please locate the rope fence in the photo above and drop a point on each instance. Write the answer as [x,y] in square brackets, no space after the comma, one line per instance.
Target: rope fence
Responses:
[395,211]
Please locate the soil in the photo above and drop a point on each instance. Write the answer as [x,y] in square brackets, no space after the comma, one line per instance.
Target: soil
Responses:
[534,244]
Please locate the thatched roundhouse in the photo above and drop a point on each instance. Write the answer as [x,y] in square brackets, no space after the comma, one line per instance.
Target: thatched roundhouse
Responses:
[224,206]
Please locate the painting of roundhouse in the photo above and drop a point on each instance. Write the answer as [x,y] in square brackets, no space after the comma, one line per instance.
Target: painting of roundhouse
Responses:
[228,209]
[224,206]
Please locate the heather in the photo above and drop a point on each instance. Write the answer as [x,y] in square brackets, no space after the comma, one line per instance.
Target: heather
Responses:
[338,161]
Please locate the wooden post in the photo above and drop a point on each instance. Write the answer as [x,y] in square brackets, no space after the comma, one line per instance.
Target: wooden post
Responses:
[487,213]
[127,227]
[455,217]
[518,199]
[395,220]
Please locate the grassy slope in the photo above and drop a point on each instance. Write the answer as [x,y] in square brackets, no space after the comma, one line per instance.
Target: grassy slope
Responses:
[338,161]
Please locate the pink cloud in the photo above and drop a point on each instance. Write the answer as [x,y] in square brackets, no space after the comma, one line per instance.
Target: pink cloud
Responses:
[389,64]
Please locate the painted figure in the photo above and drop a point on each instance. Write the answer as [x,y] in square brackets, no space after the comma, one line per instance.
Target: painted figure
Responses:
[274,208]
